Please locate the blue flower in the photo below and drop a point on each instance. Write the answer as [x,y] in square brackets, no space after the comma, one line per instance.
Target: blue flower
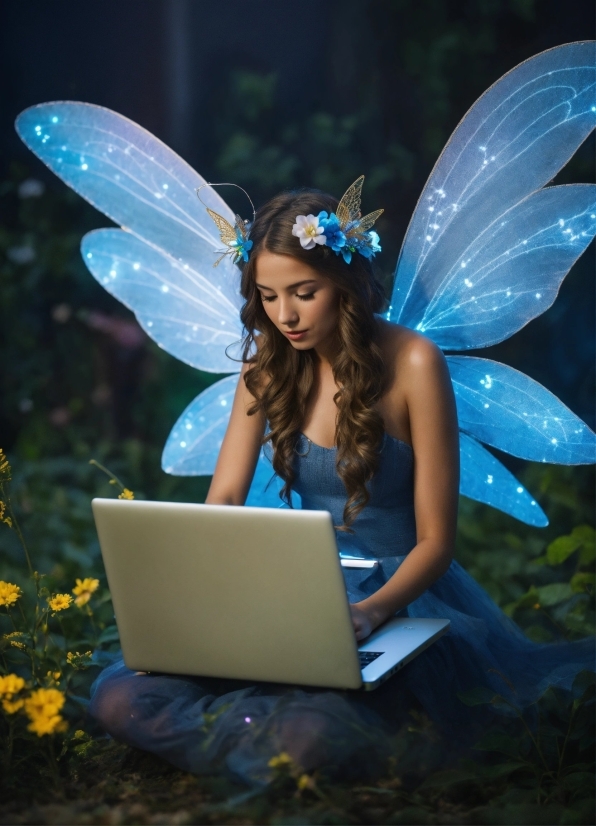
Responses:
[334,235]
[368,244]
[241,246]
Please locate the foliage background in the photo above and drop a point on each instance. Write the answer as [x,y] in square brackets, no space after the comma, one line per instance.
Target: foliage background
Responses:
[269,98]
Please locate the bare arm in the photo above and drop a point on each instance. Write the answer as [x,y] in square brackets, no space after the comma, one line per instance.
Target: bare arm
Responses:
[433,426]
[239,451]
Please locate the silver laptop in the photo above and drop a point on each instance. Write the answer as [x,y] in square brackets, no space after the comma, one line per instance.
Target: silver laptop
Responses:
[243,593]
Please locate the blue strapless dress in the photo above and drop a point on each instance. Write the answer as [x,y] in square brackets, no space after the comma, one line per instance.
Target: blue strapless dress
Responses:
[206,725]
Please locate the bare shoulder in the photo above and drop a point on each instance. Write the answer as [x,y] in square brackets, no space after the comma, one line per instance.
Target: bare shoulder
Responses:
[409,355]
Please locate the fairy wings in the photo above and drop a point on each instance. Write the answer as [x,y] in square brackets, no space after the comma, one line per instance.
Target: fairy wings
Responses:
[486,250]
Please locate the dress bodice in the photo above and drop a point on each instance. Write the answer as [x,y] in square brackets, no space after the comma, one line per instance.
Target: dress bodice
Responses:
[386,526]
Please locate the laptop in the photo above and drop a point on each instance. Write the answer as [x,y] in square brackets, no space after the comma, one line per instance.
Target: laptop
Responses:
[242,593]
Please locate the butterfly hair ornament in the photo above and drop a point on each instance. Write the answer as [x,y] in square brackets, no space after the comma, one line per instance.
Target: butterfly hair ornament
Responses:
[487,248]
[235,236]
[345,231]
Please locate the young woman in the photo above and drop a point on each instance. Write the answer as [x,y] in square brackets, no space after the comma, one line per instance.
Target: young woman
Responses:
[360,420]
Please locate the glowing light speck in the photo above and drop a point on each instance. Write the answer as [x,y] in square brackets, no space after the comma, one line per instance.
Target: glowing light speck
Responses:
[84,166]
[54,119]
[538,295]
[165,288]
[182,444]
[136,266]
[520,489]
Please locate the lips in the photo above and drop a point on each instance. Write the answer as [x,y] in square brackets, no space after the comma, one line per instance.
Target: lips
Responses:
[296,335]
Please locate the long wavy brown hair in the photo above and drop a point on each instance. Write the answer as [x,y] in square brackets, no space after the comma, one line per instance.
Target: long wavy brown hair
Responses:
[281,378]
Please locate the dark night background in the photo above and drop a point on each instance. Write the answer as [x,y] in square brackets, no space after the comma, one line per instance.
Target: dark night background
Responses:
[269,95]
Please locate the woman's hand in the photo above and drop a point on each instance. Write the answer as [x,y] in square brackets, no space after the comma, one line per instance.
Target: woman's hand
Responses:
[362,620]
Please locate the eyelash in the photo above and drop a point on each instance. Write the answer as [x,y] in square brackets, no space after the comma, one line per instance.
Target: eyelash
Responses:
[305,297]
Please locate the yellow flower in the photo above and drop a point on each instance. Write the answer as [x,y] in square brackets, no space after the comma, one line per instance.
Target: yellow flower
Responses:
[47,725]
[305,781]
[78,660]
[3,517]
[126,494]
[280,760]
[5,471]
[43,708]
[60,602]
[12,706]
[83,590]
[9,593]
[11,684]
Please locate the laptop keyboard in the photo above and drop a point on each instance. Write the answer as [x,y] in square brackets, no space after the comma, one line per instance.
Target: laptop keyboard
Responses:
[367,657]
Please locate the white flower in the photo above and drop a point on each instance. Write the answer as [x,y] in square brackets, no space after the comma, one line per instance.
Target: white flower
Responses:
[310,232]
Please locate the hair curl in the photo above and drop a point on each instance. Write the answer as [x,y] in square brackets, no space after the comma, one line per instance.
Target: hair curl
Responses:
[281,377]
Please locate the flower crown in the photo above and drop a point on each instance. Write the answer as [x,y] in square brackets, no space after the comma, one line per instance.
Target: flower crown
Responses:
[344,231]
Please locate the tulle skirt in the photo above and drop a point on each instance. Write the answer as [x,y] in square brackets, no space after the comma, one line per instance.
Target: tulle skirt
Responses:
[207,725]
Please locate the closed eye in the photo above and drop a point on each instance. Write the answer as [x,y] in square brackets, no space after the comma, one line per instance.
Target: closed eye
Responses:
[305,297]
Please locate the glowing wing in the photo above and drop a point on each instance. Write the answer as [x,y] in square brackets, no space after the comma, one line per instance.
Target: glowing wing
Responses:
[511,143]
[507,410]
[184,312]
[141,184]
[160,264]
[486,251]
[485,479]
[195,440]
[510,273]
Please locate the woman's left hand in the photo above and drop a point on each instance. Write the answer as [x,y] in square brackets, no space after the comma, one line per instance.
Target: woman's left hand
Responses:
[362,621]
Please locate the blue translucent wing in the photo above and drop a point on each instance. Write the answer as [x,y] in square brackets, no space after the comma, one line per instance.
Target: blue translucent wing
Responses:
[193,445]
[506,409]
[513,140]
[195,440]
[510,273]
[137,181]
[485,479]
[183,311]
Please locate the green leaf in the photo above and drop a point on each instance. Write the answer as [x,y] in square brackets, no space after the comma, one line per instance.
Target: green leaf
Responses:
[586,533]
[110,634]
[578,780]
[583,583]
[538,633]
[498,741]
[504,769]
[554,594]
[562,548]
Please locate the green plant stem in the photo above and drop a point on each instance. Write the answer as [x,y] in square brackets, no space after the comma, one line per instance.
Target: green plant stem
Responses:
[565,741]
[107,472]
[17,529]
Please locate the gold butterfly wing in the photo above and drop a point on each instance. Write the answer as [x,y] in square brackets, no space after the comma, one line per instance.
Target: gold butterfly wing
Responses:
[364,224]
[227,232]
[348,208]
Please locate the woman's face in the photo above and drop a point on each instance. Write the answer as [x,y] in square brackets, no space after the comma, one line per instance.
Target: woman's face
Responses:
[302,304]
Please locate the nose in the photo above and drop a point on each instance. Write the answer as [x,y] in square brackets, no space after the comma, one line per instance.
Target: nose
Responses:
[287,312]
